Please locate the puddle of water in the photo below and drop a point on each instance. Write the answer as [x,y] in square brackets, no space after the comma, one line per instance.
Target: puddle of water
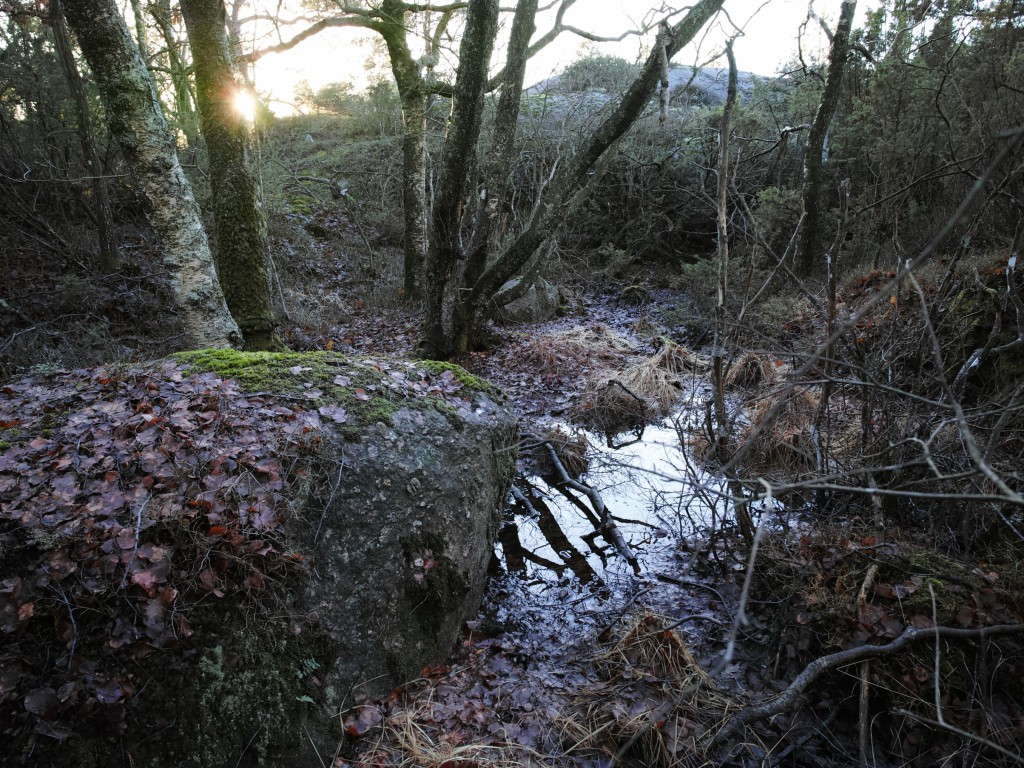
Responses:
[651,488]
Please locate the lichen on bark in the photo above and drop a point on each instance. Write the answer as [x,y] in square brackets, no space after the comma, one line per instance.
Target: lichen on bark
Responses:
[137,123]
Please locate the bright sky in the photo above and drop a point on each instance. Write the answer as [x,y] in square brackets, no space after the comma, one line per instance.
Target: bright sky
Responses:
[769,41]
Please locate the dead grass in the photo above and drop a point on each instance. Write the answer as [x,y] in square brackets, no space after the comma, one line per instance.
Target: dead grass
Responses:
[571,448]
[785,447]
[608,405]
[411,744]
[678,360]
[638,393]
[662,702]
[592,346]
[752,370]
[653,383]
[786,444]
[649,646]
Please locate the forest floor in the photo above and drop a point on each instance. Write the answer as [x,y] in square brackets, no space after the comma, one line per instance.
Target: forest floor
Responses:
[577,661]
[602,667]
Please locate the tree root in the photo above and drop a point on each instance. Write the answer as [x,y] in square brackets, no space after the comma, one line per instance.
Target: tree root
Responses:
[812,671]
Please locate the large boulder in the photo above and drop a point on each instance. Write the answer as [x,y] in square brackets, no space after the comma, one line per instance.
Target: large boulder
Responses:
[207,558]
[538,303]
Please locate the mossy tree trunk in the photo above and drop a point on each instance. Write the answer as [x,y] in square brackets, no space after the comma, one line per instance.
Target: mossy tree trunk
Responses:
[138,125]
[102,215]
[444,249]
[810,235]
[455,312]
[242,247]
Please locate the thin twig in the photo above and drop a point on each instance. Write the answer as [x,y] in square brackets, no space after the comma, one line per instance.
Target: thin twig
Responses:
[135,549]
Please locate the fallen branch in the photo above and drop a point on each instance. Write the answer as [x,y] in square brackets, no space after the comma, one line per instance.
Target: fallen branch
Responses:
[812,671]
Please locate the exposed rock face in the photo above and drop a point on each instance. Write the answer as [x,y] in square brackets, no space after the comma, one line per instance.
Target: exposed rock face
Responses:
[342,537]
[404,545]
[537,305]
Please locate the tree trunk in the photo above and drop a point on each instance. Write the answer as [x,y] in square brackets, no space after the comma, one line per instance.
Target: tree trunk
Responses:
[441,337]
[445,247]
[139,127]
[140,32]
[810,235]
[412,91]
[108,260]
[441,340]
[414,188]
[724,442]
[497,167]
[243,251]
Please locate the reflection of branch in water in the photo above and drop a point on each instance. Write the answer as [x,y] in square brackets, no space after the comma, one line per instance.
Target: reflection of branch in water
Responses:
[591,539]
[516,554]
[637,429]
[555,536]
[607,526]
[508,537]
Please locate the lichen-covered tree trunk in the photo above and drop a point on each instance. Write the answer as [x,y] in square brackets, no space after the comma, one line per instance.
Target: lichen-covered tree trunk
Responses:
[444,250]
[103,217]
[414,188]
[242,247]
[412,91]
[810,235]
[138,125]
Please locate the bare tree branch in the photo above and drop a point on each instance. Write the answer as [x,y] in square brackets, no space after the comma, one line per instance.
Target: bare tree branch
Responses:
[816,668]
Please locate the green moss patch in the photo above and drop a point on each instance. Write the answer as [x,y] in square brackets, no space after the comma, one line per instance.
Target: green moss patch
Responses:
[368,391]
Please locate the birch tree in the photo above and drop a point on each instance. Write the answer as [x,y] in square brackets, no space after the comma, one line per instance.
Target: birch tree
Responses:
[138,125]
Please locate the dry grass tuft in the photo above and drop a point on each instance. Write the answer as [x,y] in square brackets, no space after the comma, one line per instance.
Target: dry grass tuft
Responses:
[638,393]
[595,345]
[751,370]
[678,360]
[653,383]
[786,444]
[665,702]
[662,652]
[607,405]
[571,448]
[411,739]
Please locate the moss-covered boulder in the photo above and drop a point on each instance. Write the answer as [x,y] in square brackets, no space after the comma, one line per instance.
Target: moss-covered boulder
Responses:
[204,559]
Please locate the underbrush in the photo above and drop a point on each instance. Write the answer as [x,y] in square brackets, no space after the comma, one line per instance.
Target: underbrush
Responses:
[853,585]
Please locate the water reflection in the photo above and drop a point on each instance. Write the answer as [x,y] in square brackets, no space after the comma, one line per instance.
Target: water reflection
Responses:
[653,494]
